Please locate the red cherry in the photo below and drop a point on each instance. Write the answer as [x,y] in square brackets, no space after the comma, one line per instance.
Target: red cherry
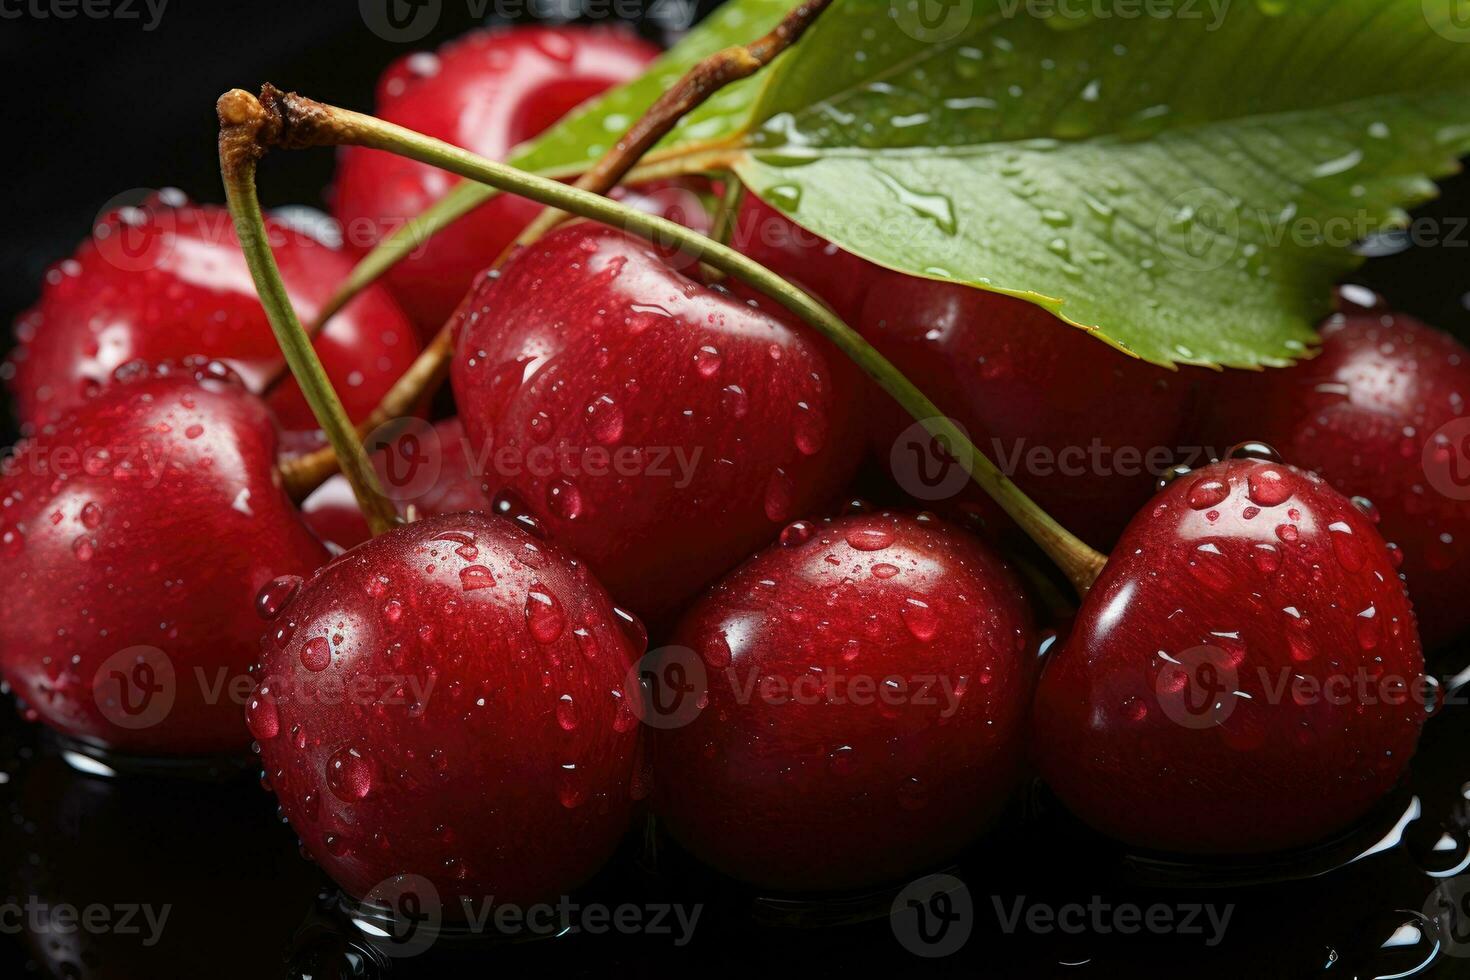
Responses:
[136,534]
[1245,676]
[487,92]
[429,469]
[837,277]
[448,703]
[167,281]
[1083,429]
[1380,413]
[867,684]
[659,428]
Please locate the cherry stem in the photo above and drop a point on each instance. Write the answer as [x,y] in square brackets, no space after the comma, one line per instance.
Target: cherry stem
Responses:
[310,123]
[699,83]
[723,227]
[242,143]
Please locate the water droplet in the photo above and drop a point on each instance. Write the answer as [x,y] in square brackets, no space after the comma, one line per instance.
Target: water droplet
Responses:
[884,570]
[544,616]
[349,775]
[922,621]
[633,629]
[797,533]
[780,496]
[1268,487]
[605,419]
[91,515]
[734,401]
[809,429]
[570,791]
[707,361]
[262,719]
[564,499]
[1254,450]
[84,547]
[566,713]
[869,539]
[476,577]
[1207,492]
[316,654]
[276,595]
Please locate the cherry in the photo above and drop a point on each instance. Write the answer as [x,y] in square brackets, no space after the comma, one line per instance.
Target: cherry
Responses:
[487,92]
[1381,413]
[1083,429]
[135,534]
[446,701]
[167,280]
[837,277]
[867,687]
[659,428]
[1245,676]
[429,470]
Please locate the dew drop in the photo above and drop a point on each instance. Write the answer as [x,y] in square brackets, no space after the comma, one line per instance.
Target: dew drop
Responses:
[797,533]
[316,654]
[922,621]
[566,713]
[564,499]
[276,595]
[1268,487]
[1207,492]
[349,775]
[262,718]
[475,577]
[869,539]
[544,616]
[734,401]
[780,496]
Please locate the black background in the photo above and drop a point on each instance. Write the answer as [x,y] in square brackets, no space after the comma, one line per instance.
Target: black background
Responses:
[95,107]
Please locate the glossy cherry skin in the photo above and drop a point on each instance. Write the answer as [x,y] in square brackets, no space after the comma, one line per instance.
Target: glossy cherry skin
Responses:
[1252,577]
[487,91]
[433,474]
[490,748]
[786,783]
[148,519]
[697,421]
[1036,395]
[1379,413]
[182,289]
[837,277]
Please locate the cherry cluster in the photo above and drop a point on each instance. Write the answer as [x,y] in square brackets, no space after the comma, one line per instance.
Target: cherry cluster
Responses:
[837,696]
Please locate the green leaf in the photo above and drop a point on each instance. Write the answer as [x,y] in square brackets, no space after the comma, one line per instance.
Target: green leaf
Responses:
[583,137]
[1186,182]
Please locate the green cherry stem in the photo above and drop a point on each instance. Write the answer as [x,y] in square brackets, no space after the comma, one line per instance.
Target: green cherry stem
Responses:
[242,118]
[311,123]
[728,213]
